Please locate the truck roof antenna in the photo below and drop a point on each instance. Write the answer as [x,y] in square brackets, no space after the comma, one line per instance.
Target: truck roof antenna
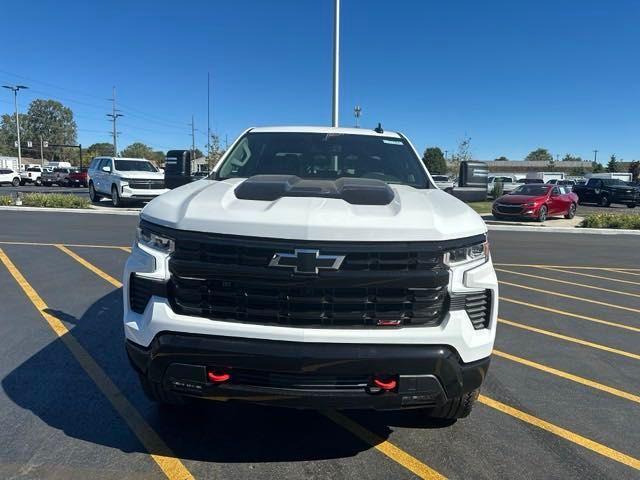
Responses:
[378,129]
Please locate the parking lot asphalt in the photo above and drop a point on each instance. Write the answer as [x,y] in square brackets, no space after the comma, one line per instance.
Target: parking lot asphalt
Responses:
[561,400]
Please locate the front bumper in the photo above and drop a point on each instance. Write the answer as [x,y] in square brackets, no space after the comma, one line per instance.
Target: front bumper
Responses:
[307,375]
[141,193]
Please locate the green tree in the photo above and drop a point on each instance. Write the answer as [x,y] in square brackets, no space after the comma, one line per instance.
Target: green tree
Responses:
[434,160]
[577,172]
[612,166]
[539,155]
[634,170]
[51,121]
[597,167]
[570,158]
[137,150]
[501,159]
[8,133]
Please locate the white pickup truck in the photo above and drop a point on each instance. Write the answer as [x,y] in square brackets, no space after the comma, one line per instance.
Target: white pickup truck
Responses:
[315,267]
[32,174]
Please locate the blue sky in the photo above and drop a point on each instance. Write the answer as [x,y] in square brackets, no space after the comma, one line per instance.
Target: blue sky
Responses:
[513,76]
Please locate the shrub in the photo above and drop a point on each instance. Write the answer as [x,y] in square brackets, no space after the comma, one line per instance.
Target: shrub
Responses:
[498,190]
[54,200]
[627,221]
[5,200]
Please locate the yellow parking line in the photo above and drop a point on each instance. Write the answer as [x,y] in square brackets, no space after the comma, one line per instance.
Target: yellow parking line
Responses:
[570,339]
[574,267]
[619,280]
[172,467]
[574,284]
[90,266]
[568,376]
[390,450]
[569,314]
[126,249]
[573,297]
[39,244]
[562,432]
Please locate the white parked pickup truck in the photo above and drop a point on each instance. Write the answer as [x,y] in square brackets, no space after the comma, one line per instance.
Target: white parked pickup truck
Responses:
[31,174]
[315,267]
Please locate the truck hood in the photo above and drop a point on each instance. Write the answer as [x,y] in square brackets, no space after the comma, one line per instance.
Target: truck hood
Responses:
[413,215]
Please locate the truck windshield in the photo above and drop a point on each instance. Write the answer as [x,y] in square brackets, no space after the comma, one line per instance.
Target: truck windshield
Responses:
[134,166]
[613,181]
[324,156]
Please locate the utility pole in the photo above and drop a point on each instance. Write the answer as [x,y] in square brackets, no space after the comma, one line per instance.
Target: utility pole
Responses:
[445,154]
[15,89]
[336,61]
[114,115]
[356,113]
[41,152]
[595,156]
[193,138]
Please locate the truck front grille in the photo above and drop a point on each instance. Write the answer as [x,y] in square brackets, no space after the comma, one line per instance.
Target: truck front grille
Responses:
[146,184]
[229,278]
[305,306]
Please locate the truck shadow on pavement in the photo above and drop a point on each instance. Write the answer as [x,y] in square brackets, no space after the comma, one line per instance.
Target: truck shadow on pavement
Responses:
[53,386]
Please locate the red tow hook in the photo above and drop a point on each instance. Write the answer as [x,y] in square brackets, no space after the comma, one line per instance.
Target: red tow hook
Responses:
[386,385]
[218,377]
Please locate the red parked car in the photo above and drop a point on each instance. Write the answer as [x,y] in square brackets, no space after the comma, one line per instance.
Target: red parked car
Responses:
[78,178]
[537,202]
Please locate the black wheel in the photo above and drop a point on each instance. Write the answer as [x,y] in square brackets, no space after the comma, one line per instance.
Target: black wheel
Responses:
[157,394]
[631,205]
[542,214]
[22,183]
[116,201]
[93,195]
[15,182]
[572,211]
[459,407]
[604,201]
[38,182]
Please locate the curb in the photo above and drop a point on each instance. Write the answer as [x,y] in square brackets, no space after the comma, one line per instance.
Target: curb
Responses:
[70,210]
[594,231]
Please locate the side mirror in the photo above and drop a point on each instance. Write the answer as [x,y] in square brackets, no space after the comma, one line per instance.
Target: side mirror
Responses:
[106,169]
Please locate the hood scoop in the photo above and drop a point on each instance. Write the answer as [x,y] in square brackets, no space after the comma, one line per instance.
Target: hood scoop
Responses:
[357,191]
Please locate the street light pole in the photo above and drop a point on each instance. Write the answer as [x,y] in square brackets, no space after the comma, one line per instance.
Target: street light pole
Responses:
[15,89]
[336,62]
[595,156]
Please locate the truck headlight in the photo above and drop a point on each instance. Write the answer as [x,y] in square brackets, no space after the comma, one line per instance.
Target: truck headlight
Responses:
[473,253]
[154,241]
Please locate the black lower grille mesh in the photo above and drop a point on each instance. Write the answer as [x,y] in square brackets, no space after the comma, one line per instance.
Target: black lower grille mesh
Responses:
[299,381]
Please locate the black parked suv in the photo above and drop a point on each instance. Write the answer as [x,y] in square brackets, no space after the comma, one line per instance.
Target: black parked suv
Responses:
[605,191]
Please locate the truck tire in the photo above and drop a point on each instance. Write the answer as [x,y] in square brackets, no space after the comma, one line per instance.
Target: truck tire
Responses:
[116,201]
[38,182]
[459,407]
[16,182]
[604,201]
[157,394]
[93,195]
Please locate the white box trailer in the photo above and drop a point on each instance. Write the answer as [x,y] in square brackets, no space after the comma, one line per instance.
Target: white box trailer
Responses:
[546,176]
[624,176]
[9,162]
